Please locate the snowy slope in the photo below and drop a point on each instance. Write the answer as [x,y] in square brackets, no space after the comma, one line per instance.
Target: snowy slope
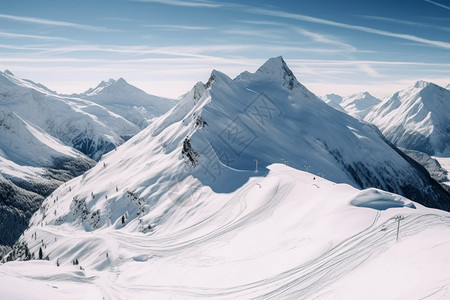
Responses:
[128,101]
[32,165]
[78,123]
[359,105]
[417,118]
[284,235]
[27,144]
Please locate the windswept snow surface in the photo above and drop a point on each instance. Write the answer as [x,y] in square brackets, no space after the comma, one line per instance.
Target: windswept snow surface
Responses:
[183,210]
[417,118]
[128,101]
[285,235]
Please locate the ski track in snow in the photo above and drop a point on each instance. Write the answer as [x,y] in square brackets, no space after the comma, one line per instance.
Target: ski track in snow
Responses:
[304,281]
[307,280]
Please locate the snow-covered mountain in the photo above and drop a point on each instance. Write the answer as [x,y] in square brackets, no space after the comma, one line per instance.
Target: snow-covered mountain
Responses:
[334,101]
[128,101]
[417,118]
[198,205]
[32,165]
[81,124]
[359,105]
[215,134]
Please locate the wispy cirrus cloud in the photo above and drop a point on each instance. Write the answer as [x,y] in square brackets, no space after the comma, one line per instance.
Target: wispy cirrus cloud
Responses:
[409,37]
[438,4]
[179,27]
[184,51]
[186,3]
[410,23]
[319,38]
[264,34]
[53,23]
[263,22]
[30,36]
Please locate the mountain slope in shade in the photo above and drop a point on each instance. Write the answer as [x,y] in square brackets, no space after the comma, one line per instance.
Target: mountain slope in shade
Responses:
[32,165]
[359,105]
[417,118]
[81,124]
[432,165]
[128,101]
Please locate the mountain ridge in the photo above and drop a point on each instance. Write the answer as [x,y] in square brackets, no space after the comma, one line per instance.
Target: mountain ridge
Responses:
[416,118]
[128,101]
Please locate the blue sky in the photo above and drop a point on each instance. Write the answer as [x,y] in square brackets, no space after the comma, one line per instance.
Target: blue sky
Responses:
[165,46]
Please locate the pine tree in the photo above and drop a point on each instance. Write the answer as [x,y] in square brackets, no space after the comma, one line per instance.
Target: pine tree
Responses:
[41,255]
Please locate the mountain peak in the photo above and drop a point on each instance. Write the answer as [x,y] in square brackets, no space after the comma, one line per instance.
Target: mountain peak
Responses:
[104,83]
[8,72]
[274,65]
[121,81]
[277,67]
[420,84]
[217,76]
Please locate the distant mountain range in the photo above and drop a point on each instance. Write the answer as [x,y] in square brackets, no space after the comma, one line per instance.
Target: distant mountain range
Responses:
[126,100]
[47,139]
[417,118]
[357,105]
